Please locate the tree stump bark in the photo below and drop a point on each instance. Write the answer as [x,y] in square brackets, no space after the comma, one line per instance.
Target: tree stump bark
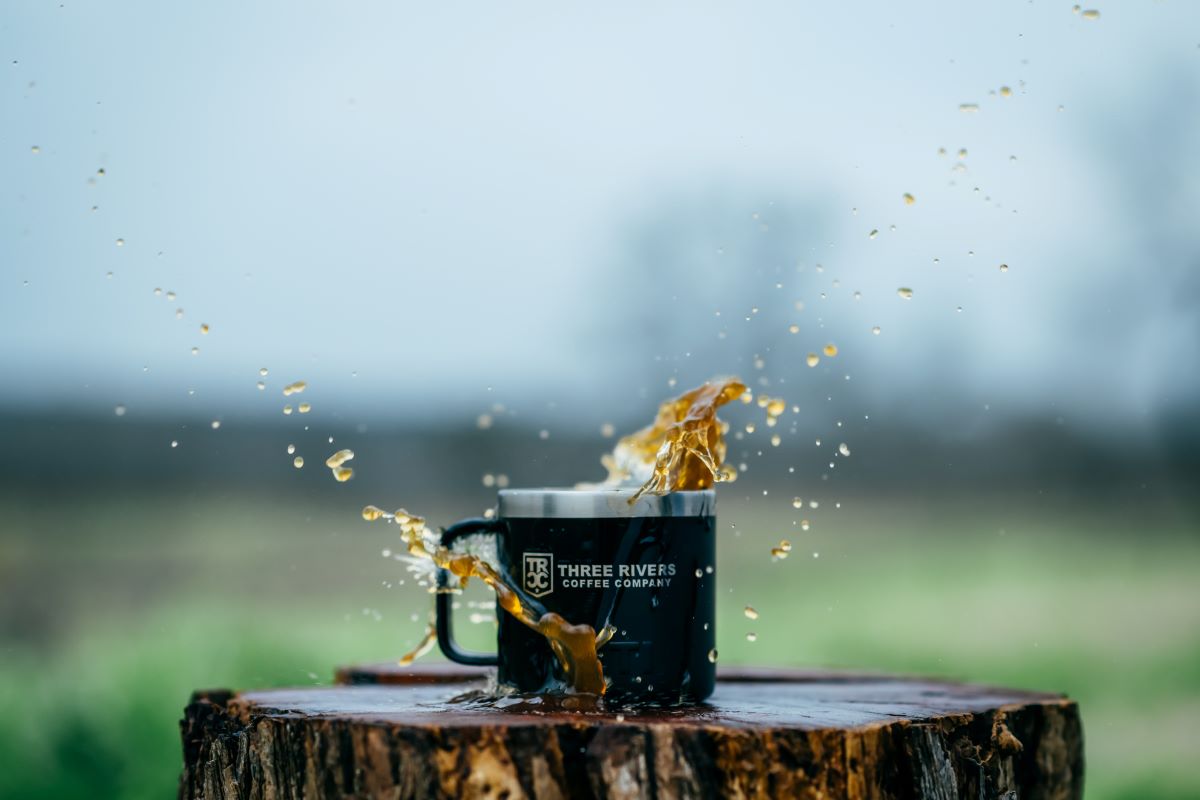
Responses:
[764,734]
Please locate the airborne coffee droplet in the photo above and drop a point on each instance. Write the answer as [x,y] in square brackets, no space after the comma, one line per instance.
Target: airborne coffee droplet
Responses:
[339,458]
[340,473]
[372,513]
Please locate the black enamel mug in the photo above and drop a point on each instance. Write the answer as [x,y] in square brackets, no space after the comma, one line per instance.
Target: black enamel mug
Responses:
[646,568]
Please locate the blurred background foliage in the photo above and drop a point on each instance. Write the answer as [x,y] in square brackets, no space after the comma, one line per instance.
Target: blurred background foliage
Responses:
[482,235]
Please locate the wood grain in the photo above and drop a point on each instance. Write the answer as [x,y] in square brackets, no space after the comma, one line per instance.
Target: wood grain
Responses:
[764,734]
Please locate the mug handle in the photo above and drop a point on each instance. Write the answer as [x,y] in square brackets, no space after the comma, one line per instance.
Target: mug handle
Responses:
[445,638]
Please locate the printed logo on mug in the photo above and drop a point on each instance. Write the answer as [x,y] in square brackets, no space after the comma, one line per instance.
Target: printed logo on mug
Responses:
[539,574]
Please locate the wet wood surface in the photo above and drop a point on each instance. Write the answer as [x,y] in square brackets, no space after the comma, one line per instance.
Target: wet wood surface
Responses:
[433,732]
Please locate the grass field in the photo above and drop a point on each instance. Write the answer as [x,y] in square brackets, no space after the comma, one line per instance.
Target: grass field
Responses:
[116,607]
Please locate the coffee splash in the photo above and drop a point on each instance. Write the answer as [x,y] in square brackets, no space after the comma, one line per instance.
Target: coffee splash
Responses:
[424,646]
[682,450]
[574,646]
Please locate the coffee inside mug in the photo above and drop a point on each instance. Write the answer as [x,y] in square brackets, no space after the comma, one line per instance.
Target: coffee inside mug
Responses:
[647,568]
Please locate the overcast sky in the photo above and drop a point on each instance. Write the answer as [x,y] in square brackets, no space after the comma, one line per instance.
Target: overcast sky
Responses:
[425,209]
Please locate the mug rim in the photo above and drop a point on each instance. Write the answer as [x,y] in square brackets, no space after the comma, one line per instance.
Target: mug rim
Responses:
[602,502]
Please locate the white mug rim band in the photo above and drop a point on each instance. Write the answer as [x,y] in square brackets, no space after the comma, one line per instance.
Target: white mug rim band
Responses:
[602,502]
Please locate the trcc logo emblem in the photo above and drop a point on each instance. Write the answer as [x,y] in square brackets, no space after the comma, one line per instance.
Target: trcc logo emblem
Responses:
[539,574]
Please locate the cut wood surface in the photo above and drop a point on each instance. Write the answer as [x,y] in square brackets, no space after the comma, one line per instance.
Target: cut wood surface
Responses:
[395,733]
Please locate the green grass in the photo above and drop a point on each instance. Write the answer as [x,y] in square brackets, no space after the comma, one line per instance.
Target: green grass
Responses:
[116,612]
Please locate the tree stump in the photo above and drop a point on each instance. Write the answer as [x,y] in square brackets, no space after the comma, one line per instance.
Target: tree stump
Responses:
[397,733]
